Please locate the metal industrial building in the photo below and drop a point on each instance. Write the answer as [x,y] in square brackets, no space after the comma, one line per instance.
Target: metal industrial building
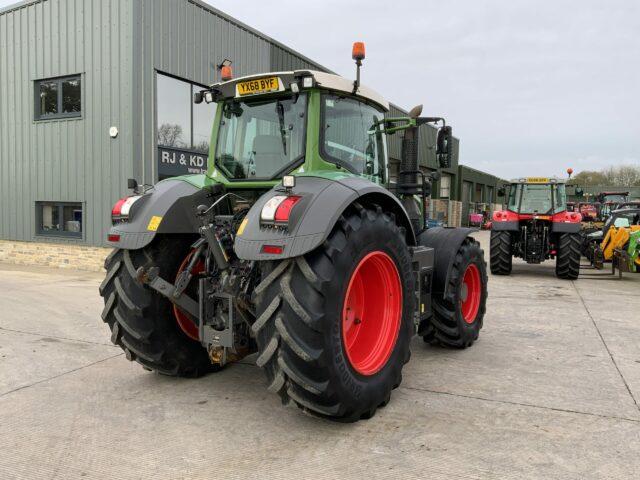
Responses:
[93,92]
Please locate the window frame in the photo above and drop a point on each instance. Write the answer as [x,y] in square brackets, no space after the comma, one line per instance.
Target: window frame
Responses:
[40,232]
[193,84]
[289,167]
[382,174]
[37,114]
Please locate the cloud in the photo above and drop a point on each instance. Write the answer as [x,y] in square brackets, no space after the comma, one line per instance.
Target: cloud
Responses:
[529,87]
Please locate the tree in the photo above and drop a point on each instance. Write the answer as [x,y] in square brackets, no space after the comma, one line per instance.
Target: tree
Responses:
[621,176]
[170,135]
[589,178]
[626,175]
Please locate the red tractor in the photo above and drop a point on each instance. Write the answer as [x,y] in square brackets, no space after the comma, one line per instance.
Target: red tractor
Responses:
[536,226]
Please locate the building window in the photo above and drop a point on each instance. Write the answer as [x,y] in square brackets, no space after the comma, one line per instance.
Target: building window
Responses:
[58,98]
[445,186]
[61,219]
[478,195]
[490,195]
[181,123]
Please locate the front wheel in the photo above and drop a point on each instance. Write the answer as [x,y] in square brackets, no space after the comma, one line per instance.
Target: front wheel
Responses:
[334,325]
[459,313]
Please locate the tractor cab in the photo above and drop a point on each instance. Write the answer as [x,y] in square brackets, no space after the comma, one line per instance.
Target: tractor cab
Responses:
[265,124]
[535,226]
[539,197]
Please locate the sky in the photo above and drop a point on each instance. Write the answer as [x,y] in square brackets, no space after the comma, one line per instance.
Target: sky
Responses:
[530,87]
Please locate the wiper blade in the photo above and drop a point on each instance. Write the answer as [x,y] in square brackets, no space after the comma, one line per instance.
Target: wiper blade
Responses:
[283,131]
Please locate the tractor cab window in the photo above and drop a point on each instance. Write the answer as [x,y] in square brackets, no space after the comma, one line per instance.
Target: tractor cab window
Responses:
[544,199]
[261,139]
[351,137]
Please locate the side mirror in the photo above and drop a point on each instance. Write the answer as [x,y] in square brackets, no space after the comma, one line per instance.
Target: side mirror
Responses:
[443,147]
[501,192]
[132,184]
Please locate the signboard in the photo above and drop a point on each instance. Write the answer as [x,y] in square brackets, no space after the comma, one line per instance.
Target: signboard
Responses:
[174,161]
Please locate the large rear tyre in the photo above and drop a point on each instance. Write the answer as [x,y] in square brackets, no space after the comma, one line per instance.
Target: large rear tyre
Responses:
[458,315]
[142,322]
[500,253]
[568,257]
[334,326]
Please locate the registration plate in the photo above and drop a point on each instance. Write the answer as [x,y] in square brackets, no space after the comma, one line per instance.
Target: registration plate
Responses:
[261,85]
[537,180]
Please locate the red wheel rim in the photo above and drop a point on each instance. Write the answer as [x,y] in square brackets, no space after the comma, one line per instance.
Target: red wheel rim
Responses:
[371,313]
[185,323]
[471,293]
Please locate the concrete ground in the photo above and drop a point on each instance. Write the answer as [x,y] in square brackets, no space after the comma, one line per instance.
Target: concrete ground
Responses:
[551,390]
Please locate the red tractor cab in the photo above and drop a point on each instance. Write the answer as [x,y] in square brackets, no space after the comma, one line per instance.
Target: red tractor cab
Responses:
[589,211]
[536,226]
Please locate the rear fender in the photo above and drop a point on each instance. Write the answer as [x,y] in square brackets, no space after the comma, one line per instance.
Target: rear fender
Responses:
[312,219]
[168,208]
[566,222]
[446,242]
[505,220]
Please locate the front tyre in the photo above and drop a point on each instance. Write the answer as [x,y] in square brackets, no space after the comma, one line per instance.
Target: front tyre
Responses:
[334,326]
[568,256]
[459,313]
[142,322]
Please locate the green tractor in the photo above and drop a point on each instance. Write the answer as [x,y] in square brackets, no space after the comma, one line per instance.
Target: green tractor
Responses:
[295,246]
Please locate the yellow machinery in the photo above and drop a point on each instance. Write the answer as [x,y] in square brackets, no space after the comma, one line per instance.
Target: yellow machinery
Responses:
[616,238]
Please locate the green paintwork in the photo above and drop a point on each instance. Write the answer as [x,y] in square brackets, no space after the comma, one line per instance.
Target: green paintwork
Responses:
[634,250]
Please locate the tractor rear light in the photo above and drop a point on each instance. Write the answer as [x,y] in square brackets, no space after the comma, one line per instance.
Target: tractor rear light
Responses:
[505,216]
[567,217]
[272,249]
[278,208]
[268,213]
[117,208]
[284,209]
[112,237]
[120,211]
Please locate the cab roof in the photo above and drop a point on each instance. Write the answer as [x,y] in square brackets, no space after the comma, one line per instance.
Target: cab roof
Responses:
[325,80]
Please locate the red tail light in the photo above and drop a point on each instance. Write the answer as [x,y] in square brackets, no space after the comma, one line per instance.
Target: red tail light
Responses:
[113,238]
[120,211]
[505,216]
[567,217]
[272,249]
[278,209]
[117,208]
[284,209]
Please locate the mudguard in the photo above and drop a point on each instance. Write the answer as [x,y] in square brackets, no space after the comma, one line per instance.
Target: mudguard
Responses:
[559,227]
[313,217]
[171,204]
[505,226]
[445,241]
